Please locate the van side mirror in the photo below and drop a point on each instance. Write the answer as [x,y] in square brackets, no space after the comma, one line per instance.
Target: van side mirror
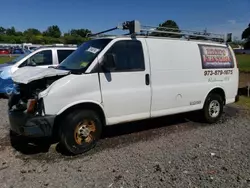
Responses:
[109,61]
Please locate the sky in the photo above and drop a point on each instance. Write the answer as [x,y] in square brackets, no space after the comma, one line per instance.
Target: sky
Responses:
[219,16]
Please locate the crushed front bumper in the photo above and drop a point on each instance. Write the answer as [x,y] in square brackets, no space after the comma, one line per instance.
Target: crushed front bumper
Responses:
[29,125]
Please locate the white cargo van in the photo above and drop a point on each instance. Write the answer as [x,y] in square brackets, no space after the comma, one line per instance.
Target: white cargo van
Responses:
[111,80]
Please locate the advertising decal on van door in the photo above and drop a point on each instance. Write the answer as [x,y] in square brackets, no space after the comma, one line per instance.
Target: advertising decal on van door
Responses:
[216,57]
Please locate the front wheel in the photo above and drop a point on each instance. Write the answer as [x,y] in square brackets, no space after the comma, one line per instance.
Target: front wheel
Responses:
[213,108]
[81,129]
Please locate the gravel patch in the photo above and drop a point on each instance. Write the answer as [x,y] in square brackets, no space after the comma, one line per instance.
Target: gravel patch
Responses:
[174,151]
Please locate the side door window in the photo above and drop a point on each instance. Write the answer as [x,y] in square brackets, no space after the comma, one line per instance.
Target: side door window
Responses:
[63,54]
[41,58]
[128,55]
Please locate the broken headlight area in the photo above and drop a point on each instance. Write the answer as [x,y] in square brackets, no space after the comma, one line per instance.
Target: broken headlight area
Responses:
[30,106]
[26,98]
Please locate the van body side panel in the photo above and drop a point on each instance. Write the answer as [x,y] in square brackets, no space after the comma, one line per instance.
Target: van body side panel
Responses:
[177,77]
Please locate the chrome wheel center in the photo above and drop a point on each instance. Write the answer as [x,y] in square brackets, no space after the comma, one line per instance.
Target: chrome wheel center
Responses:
[214,108]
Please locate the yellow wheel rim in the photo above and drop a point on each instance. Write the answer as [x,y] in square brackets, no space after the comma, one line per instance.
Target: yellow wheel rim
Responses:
[84,132]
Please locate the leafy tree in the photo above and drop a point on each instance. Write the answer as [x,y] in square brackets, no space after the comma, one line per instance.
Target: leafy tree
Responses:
[247,45]
[79,32]
[11,31]
[246,36]
[74,39]
[19,39]
[50,36]
[31,32]
[19,33]
[37,39]
[170,26]
[246,33]
[32,35]
[53,31]
[66,34]
[2,30]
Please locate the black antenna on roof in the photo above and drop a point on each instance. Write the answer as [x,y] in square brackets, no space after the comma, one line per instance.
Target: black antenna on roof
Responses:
[106,31]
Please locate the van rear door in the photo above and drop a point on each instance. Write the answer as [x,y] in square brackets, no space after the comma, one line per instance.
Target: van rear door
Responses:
[126,90]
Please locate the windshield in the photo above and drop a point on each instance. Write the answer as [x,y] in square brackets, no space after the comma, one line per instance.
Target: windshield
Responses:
[84,55]
[19,58]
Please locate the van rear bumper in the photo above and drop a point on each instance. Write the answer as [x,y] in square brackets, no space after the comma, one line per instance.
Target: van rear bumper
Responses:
[31,126]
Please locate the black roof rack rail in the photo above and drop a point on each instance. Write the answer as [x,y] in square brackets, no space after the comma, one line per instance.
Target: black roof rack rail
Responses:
[135,28]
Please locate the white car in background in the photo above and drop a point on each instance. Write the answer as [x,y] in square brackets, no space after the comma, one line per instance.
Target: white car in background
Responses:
[42,57]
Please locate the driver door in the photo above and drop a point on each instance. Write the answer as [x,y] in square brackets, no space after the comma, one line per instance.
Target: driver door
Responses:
[126,91]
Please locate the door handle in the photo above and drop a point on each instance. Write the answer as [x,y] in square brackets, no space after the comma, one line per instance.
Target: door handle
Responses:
[147,80]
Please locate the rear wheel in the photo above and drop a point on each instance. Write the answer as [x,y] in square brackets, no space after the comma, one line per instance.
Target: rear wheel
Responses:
[81,130]
[213,108]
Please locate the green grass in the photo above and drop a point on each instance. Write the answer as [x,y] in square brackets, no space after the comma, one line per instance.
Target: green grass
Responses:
[5,59]
[244,101]
[244,62]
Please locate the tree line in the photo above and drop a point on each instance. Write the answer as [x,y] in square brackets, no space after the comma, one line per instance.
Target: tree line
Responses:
[53,34]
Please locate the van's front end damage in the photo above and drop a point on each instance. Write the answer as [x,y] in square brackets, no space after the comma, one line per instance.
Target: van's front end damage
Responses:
[26,110]
[27,117]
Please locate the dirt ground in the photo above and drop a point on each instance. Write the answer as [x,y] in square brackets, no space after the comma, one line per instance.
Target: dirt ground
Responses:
[174,151]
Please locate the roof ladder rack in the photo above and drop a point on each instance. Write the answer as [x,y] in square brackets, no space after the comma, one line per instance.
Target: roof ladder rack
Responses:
[135,28]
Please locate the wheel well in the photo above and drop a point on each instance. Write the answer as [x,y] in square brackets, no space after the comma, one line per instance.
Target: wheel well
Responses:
[89,106]
[220,92]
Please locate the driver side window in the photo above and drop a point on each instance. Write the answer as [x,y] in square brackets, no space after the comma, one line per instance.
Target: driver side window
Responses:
[42,58]
[39,59]
[128,55]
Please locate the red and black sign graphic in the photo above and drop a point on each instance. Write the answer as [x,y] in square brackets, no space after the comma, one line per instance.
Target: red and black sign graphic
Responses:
[215,57]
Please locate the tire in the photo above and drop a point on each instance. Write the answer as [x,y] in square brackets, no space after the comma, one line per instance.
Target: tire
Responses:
[213,115]
[80,131]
